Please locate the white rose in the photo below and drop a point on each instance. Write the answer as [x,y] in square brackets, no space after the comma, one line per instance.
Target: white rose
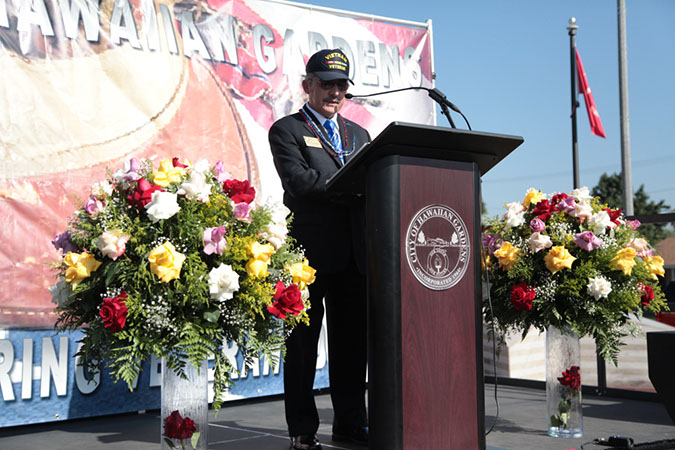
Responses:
[600,222]
[276,233]
[582,210]
[113,243]
[515,207]
[515,215]
[60,292]
[538,241]
[196,188]
[279,213]
[163,205]
[599,287]
[277,210]
[201,166]
[581,194]
[223,282]
[101,189]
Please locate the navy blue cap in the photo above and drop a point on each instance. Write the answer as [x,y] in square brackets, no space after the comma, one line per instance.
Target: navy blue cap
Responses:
[329,65]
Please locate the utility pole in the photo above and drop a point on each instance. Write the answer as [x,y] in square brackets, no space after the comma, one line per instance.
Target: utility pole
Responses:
[626,176]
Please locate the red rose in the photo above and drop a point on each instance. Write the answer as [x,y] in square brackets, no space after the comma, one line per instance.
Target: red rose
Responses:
[543,209]
[177,427]
[187,428]
[142,194]
[571,378]
[522,296]
[557,198]
[287,300]
[114,312]
[177,163]
[647,294]
[614,215]
[172,424]
[239,191]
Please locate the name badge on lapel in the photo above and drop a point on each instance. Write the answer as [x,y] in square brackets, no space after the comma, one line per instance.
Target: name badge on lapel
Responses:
[311,141]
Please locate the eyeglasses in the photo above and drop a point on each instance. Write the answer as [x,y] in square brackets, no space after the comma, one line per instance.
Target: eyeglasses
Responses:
[342,85]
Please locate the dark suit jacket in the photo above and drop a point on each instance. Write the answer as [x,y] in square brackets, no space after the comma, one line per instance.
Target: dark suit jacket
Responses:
[330,227]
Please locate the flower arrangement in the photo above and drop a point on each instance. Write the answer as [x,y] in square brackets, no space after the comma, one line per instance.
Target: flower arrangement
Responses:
[176,261]
[568,259]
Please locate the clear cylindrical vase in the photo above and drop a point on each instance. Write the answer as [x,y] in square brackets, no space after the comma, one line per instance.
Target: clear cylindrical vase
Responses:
[563,383]
[190,398]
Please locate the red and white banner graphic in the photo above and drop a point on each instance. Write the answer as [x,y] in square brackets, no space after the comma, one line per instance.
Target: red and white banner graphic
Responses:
[86,87]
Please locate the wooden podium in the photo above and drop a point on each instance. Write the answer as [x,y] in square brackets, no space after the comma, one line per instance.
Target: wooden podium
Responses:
[425,355]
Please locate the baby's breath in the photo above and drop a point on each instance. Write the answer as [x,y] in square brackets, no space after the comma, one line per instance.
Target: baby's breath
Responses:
[158,316]
[547,290]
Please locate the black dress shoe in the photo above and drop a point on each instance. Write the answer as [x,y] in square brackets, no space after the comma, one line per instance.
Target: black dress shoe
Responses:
[305,442]
[355,436]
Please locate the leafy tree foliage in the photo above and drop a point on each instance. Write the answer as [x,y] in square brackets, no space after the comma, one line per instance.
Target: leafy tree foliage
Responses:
[610,191]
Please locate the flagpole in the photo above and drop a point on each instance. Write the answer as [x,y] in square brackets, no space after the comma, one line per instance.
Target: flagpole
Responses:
[573,76]
[599,360]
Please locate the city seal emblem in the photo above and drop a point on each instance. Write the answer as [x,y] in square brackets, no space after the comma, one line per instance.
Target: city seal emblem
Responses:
[437,247]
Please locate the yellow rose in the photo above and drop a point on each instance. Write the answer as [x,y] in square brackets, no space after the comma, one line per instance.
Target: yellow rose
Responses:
[166,262]
[624,260]
[262,252]
[80,266]
[532,197]
[256,268]
[655,266]
[507,255]
[167,173]
[558,258]
[302,274]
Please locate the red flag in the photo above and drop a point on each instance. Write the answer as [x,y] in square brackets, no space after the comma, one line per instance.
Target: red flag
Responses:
[585,88]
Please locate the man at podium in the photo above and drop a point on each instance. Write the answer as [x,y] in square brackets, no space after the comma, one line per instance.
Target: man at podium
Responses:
[308,148]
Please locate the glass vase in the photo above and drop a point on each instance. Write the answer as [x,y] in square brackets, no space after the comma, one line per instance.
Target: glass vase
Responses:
[190,398]
[563,383]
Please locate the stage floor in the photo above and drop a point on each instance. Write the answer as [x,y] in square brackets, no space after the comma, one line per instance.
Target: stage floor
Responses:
[260,425]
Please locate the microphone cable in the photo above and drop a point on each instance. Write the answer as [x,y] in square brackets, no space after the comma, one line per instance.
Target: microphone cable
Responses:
[494,335]
[435,95]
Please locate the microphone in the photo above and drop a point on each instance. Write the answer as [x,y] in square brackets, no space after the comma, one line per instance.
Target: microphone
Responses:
[435,94]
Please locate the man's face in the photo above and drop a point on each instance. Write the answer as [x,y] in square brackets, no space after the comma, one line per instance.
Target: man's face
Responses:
[325,97]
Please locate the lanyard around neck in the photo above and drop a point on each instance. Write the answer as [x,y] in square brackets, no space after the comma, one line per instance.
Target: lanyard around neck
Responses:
[325,143]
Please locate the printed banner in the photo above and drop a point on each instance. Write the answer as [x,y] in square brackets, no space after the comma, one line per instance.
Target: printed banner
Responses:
[85,87]
[40,380]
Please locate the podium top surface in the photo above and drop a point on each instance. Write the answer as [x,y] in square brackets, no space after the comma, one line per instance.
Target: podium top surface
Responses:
[425,141]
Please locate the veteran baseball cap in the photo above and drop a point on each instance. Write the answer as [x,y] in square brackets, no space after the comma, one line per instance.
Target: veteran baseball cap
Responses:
[329,65]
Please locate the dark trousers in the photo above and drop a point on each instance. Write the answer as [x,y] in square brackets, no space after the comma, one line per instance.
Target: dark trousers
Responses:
[345,299]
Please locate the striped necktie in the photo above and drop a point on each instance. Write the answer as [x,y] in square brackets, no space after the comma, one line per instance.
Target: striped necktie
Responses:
[331,128]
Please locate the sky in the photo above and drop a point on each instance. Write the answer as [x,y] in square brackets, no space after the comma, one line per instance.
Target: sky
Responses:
[506,65]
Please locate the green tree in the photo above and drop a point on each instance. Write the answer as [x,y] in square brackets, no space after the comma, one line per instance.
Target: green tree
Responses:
[610,191]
